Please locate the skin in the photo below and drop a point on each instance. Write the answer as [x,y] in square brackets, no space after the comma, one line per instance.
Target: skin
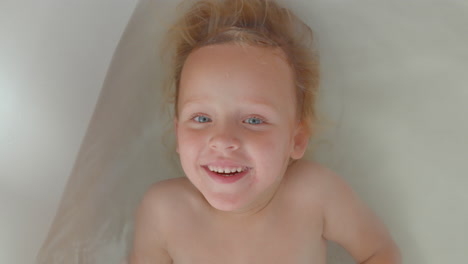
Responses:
[237,107]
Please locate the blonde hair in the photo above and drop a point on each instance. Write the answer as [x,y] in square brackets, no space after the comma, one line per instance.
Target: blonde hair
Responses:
[253,22]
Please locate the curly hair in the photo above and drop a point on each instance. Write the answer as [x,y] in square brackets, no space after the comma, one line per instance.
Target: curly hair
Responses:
[261,23]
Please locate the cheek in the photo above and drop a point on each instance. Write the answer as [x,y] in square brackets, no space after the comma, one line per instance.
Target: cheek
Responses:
[191,145]
[273,145]
[188,147]
[187,137]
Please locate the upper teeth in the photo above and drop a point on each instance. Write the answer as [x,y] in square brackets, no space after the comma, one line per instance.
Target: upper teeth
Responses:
[225,170]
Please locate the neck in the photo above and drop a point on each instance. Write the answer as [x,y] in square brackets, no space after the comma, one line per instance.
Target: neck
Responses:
[254,210]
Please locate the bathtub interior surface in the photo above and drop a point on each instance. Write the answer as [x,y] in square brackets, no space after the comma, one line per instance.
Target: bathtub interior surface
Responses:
[54,56]
[392,102]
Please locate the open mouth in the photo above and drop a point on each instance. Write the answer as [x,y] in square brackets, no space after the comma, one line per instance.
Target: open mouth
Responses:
[227,172]
[226,175]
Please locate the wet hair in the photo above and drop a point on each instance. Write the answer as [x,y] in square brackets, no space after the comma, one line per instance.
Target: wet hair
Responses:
[262,23]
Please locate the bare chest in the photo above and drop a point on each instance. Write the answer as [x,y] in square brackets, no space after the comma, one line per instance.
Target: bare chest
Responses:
[291,237]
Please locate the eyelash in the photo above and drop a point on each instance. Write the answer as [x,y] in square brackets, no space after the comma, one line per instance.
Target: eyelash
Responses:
[198,115]
[262,120]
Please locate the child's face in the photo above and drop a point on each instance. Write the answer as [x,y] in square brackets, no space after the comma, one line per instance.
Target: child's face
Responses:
[237,110]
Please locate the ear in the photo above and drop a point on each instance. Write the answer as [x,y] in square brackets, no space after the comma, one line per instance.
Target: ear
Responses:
[175,130]
[300,141]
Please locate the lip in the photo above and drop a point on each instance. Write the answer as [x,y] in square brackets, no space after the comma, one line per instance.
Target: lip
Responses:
[226,179]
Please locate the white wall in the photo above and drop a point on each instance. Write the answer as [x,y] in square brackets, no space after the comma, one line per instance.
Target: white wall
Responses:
[54,55]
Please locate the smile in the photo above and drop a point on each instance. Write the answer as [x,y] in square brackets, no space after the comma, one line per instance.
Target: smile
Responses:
[226,171]
[226,175]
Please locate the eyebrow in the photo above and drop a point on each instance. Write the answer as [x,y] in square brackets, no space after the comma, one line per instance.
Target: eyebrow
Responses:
[262,103]
[245,101]
[194,101]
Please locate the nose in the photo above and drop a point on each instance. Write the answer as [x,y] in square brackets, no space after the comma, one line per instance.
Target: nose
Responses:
[224,138]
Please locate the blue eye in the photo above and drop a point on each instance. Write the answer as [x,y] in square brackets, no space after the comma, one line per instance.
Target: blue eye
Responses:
[254,121]
[201,119]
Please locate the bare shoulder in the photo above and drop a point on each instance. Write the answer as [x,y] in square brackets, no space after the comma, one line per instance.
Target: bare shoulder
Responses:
[323,186]
[167,188]
[165,196]
[310,169]
[162,202]
[347,220]
[314,178]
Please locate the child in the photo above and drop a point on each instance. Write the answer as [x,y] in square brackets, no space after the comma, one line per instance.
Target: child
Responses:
[245,80]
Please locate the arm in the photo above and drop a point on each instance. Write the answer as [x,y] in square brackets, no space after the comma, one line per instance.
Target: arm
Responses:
[149,236]
[348,222]
[387,254]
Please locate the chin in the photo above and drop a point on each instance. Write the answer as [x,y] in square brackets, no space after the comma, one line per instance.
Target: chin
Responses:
[226,203]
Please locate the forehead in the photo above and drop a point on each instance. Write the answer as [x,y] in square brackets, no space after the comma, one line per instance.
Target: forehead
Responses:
[256,73]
